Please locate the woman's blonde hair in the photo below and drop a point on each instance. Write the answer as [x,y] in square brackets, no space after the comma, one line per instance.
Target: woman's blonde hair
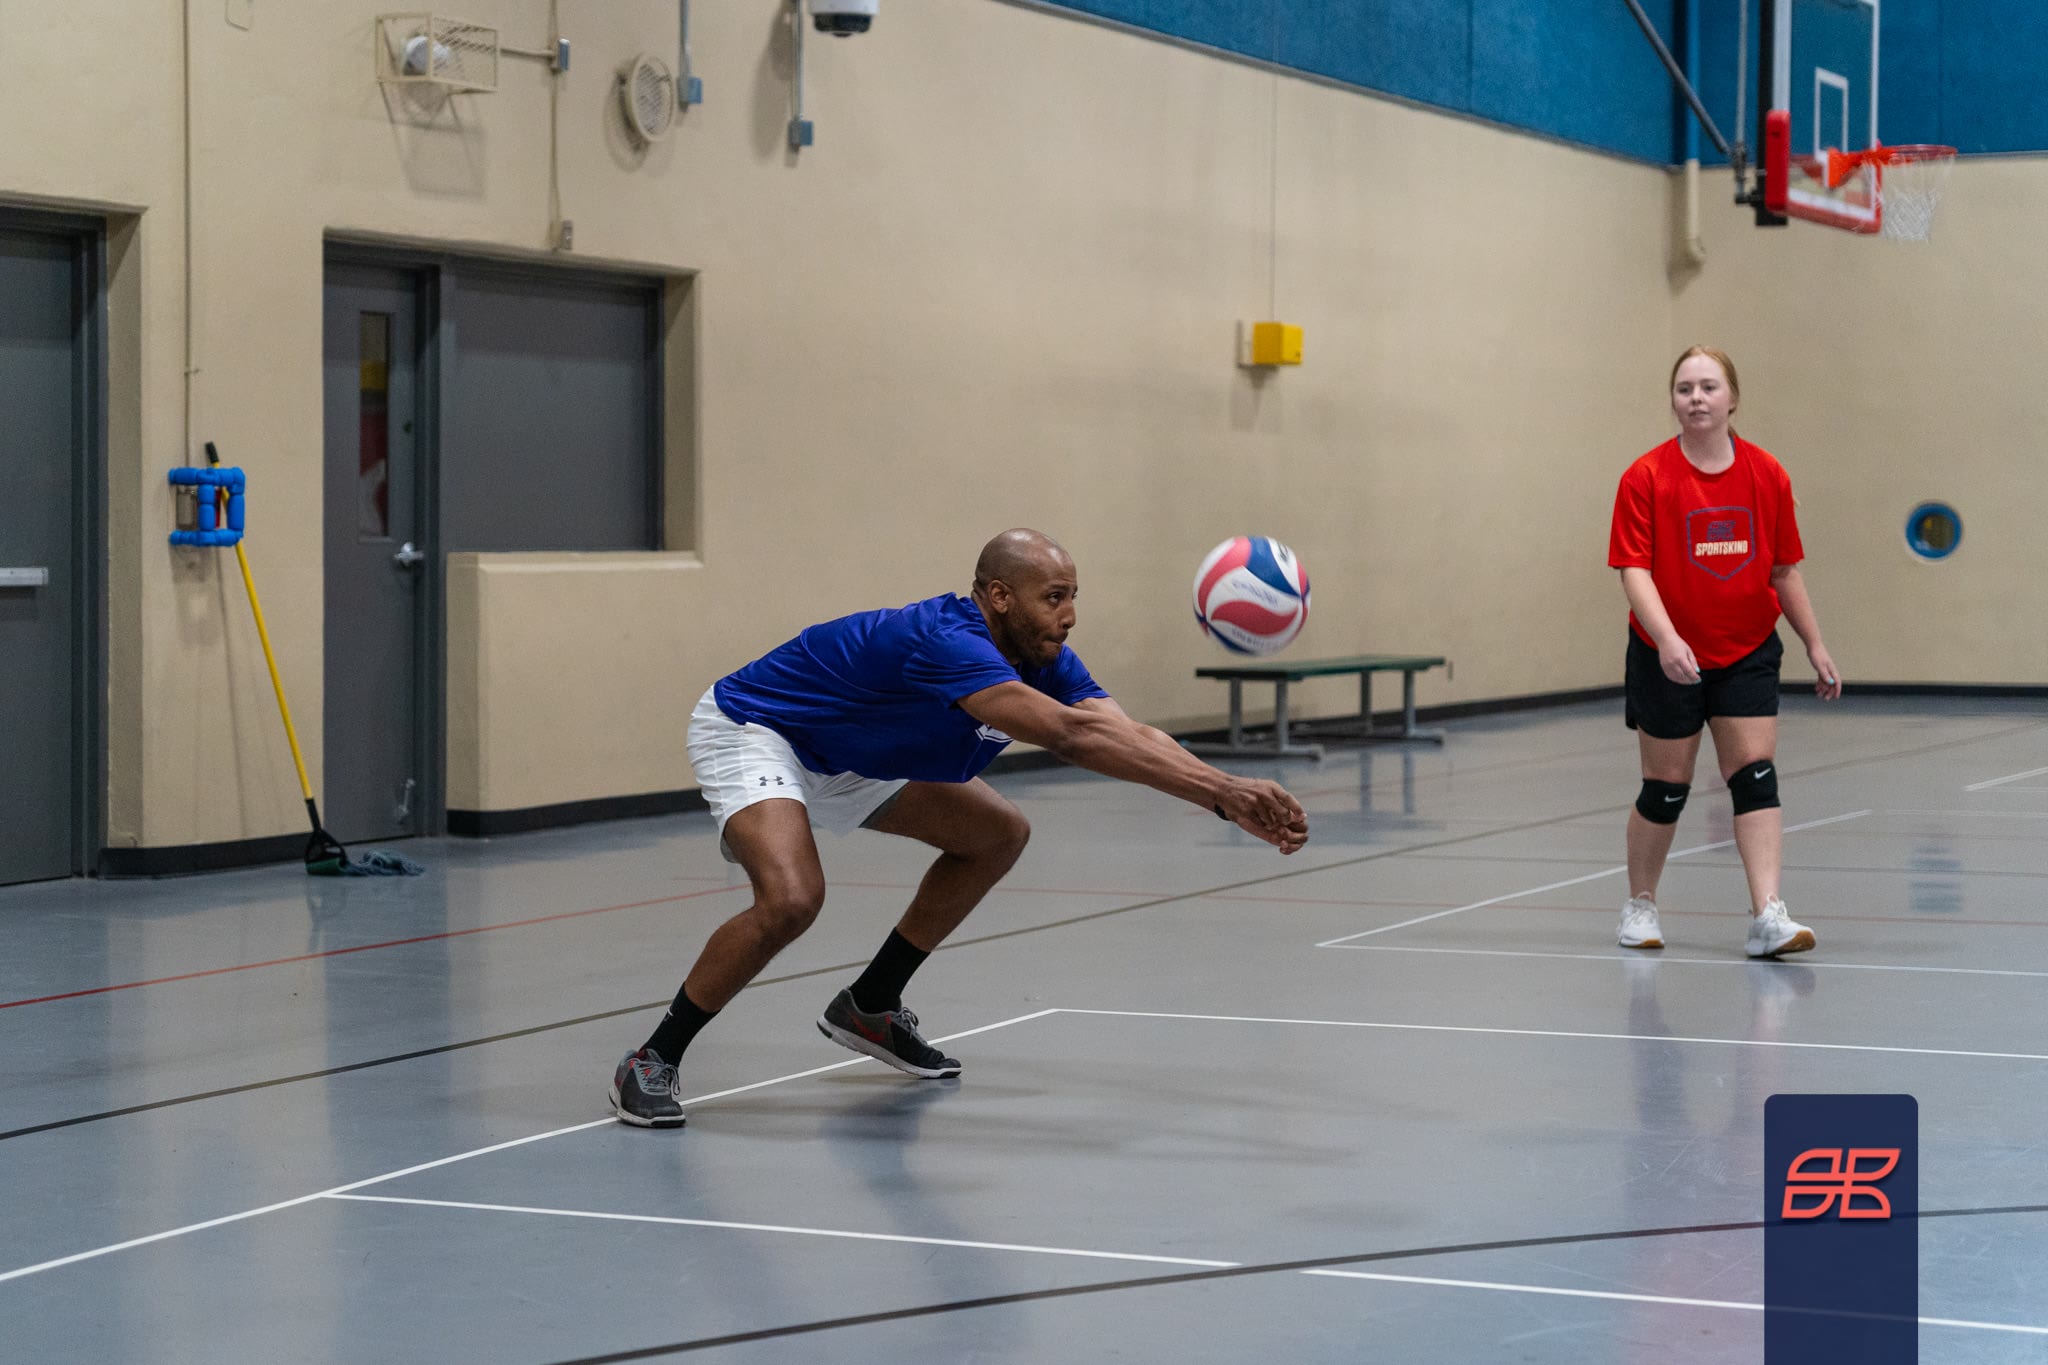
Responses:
[1719,357]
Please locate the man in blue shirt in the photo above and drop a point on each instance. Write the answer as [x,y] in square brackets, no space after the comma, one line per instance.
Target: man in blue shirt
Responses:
[883,720]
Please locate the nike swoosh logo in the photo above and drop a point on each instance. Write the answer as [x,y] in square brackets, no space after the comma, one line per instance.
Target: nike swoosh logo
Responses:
[1669,799]
[1761,773]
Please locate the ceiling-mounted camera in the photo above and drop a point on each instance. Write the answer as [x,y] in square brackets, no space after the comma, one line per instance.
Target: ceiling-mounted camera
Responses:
[843,18]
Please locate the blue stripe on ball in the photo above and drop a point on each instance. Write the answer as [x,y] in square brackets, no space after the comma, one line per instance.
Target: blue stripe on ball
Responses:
[1265,567]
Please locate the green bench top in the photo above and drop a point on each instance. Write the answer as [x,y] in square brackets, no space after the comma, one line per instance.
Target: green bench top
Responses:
[1315,668]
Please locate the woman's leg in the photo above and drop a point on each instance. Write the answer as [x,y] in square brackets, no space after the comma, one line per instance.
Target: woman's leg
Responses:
[1649,842]
[1746,747]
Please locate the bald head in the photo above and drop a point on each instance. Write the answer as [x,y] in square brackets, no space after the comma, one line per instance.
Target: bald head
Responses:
[1024,584]
[1020,557]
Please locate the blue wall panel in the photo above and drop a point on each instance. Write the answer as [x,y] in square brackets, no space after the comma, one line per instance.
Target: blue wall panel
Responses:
[1970,72]
[1909,71]
[1417,49]
[1237,25]
[1994,76]
[1578,71]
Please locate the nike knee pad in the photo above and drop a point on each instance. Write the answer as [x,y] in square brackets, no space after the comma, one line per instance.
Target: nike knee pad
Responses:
[1660,802]
[1755,786]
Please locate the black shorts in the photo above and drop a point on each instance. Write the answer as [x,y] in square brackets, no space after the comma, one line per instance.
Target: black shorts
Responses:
[1663,709]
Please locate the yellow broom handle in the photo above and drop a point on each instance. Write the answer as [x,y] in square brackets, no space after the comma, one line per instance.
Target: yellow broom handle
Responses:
[275,683]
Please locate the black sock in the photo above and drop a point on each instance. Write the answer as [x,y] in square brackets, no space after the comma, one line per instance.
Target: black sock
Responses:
[678,1027]
[881,986]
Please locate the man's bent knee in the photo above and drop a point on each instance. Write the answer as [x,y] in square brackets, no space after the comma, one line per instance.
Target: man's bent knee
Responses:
[784,913]
[1007,837]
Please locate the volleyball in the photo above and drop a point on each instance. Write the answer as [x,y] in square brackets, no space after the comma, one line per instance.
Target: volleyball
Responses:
[1251,595]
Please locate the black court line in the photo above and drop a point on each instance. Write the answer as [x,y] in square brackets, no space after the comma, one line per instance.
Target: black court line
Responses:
[1220,891]
[1201,1276]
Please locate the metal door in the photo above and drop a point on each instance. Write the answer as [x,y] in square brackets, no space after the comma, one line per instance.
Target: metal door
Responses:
[376,564]
[43,343]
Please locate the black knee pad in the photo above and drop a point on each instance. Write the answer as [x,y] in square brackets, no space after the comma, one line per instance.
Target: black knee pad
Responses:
[1660,802]
[1755,786]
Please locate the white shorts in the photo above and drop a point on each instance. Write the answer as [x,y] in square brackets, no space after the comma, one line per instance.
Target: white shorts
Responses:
[738,765]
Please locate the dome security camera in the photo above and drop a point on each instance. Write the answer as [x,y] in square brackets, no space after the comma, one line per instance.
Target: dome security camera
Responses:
[843,18]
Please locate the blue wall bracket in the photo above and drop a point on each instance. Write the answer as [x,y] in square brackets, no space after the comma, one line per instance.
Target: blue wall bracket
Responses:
[218,525]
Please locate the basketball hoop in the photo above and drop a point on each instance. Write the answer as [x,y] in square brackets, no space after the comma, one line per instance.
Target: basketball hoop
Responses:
[1910,180]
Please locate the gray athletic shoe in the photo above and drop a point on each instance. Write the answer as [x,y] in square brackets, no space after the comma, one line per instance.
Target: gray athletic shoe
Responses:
[644,1091]
[890,1036]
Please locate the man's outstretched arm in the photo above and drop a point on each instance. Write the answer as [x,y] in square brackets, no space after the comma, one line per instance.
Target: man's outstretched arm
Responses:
[1097,735]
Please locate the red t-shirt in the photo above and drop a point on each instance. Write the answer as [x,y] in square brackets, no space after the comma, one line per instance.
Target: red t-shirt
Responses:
[1710,542]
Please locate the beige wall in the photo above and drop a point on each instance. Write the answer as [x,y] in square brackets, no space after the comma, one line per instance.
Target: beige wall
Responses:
[540,710]
[1001,289]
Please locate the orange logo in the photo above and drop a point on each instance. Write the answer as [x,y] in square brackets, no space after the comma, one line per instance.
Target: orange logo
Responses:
[1836,1175]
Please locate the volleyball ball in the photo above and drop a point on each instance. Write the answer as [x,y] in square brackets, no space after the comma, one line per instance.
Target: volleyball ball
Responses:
[1251,595]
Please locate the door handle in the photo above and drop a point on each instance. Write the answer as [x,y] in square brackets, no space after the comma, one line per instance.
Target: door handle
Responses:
[407,557]
[24,578]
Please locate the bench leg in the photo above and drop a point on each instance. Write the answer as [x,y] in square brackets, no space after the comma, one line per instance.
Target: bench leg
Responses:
[1281,747]
[1238,747]
[1409,729]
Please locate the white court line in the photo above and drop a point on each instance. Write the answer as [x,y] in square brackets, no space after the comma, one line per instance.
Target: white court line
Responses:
[76,1257]
[1573,881]
[338,1190]
[1616,956]
[1569,1033]
[1975,814]
[802,1232]
[2011,777]
[1638,1298]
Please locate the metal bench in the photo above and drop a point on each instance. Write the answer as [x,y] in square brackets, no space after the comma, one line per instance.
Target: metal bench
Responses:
[1278,744]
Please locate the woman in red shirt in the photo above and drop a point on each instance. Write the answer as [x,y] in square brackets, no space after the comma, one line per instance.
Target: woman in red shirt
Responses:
[1707,542]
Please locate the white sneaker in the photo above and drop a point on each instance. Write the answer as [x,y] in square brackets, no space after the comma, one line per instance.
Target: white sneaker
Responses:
[1774,931]
[1639,924]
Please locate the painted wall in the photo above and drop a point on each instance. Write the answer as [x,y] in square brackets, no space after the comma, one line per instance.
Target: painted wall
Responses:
[996,292]
[1559,67]
[1962,72]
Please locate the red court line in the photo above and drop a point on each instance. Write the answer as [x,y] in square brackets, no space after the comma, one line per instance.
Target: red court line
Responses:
[366,947]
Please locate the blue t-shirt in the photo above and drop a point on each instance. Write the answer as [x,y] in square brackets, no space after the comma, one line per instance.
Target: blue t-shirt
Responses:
[874,693]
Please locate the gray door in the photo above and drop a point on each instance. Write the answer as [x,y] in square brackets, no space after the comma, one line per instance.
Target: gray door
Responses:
[376,567]
[41,362]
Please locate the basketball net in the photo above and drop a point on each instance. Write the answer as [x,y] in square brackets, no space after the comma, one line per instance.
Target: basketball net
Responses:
[1910,181]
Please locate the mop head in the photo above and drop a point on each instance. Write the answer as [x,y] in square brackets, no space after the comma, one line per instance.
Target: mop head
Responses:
[326,858]
[378,863]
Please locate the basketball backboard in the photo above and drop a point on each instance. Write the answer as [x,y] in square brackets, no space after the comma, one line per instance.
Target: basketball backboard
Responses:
[1818,68]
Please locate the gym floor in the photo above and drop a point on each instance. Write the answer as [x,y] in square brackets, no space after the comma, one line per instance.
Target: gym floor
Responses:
[1398,1097]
